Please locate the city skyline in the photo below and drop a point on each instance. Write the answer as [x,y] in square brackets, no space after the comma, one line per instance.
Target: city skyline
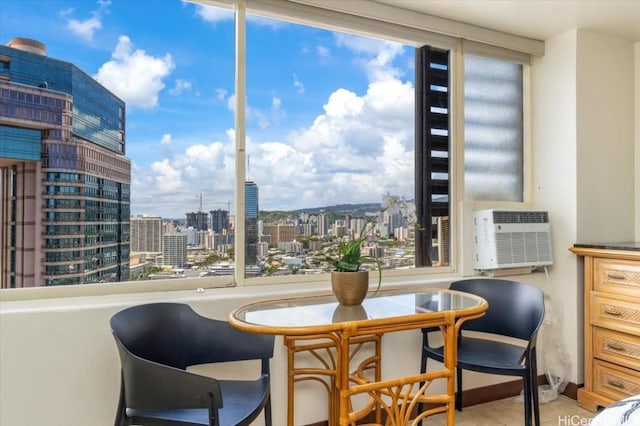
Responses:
[310,109]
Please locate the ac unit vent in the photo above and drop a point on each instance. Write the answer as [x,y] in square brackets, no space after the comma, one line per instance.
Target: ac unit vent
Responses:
[512,239]
[507,216]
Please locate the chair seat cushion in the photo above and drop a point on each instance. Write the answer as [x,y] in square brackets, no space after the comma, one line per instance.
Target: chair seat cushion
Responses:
[486,356]
[238,397]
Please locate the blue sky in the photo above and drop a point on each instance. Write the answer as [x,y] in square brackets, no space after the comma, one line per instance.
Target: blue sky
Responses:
[329,115]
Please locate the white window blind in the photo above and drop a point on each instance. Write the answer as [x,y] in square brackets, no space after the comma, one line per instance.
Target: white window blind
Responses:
[493,129]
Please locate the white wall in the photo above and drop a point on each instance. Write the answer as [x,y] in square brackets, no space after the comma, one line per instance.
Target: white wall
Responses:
[583,150]
[605,138]
[555,182]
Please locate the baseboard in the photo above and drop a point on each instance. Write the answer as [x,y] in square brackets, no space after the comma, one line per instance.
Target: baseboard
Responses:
[491,393]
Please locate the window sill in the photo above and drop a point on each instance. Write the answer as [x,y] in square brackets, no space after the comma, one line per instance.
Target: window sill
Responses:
[39,299]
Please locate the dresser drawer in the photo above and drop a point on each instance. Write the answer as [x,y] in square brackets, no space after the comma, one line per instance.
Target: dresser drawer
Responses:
[618,348]
[617,276]
[621,314]
[614,381]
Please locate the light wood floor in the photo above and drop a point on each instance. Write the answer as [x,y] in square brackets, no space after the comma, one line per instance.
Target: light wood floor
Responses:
[562,411]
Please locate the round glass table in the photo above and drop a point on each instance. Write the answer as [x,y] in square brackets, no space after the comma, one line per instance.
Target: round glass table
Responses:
[334,335]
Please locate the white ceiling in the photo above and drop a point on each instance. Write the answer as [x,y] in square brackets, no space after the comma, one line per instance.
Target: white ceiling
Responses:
[537,19]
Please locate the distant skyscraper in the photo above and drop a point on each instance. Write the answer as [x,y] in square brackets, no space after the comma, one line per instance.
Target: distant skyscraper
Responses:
[64,177]
[198,221]
[174,250]
[251,218]
[219,220]
[323,224]
[251,200]
[146,234]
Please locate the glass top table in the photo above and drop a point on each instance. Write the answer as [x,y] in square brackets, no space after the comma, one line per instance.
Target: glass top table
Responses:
[309,319]
[304,315]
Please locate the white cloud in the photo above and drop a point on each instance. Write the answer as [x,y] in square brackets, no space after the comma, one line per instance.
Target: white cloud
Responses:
[214,14]
[221,94]
[134,75]
[168,178]
[86,28]
[359,146]
[166,139]
[298,84]
[253,115]
[180,87]
[168,185]
[377,55]
[323,52]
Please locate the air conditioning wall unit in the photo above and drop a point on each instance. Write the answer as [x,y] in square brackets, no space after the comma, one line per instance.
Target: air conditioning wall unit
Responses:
[511,239]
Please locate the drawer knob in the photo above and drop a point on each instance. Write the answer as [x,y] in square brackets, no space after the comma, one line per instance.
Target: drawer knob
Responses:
[615,384]
[615,347]
[616,276]
[612,313]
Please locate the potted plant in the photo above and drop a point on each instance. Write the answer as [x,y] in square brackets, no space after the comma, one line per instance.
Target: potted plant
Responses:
[348,282]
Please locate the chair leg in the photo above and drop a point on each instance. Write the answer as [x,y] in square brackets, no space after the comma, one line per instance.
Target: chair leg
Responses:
[458,389]
[121,417]
[527,398]
[533,369]
[267,412]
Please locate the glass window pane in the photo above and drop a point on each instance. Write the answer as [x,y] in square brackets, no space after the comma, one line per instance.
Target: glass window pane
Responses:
[493,130]
[330,129]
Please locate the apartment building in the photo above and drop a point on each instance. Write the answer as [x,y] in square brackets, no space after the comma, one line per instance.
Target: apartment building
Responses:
[146,234]
[64,175]
[174,250]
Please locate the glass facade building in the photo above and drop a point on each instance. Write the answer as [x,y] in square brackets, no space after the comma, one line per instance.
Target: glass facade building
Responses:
[251,222]
[64,176]
[219,221]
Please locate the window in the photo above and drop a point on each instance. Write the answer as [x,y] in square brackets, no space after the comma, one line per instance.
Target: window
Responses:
[493,129]
[492,142]
[493,122]
[325,141]
[428,117]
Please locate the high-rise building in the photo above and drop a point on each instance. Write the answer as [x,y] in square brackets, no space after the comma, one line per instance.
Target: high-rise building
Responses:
[323,224]
[280,232]
[251,219]
[198,220]
[219,220]
[251,200]
[63,172]
[174,250]
[146,234]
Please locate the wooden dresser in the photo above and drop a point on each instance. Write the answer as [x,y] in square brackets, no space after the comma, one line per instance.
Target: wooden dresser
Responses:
[611,323]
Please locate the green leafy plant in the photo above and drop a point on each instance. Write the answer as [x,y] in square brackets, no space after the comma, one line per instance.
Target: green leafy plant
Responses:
[350,257]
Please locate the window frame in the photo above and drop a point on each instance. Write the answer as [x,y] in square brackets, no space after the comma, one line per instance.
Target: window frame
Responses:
[413,32]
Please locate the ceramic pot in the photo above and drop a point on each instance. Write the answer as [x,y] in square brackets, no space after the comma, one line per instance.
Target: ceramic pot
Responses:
[350,288]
